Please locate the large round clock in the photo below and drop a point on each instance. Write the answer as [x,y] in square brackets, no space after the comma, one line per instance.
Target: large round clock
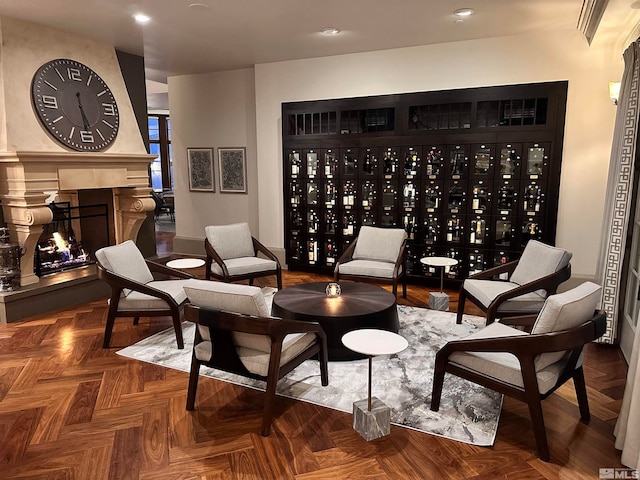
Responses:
[75,105]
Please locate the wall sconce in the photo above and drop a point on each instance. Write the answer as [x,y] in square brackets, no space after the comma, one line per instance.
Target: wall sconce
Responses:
[614,91]
[333,290]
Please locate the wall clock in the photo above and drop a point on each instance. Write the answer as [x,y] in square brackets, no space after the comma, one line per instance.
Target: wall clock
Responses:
[75,105]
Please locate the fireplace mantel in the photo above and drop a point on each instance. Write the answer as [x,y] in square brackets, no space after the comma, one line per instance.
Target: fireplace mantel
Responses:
[27,179]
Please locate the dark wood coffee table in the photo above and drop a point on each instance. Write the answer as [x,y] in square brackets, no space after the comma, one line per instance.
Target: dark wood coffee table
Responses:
[361,305]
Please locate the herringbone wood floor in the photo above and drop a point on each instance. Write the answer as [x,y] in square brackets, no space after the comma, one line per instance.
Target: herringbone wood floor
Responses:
[70,409]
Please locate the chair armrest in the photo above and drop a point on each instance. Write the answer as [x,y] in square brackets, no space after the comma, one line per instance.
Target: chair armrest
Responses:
[402,257]
[347,255]
[119,282]
[259,247]
[495,271]
[212,256]
[549,283]
[159,268]
[532,345]
[274,327]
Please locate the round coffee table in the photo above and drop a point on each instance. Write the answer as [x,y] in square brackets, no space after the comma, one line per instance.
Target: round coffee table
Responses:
[360,305]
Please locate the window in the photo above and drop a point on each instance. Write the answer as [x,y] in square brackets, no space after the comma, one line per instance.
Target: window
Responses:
[160,145]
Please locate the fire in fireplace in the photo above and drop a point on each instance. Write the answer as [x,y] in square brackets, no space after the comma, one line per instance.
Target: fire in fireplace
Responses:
[61,246]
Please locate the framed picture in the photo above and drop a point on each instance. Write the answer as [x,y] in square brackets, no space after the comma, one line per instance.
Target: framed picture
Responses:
[200,162]
[233,170]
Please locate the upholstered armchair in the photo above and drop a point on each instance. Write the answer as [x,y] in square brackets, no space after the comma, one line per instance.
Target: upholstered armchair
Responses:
[377,255]
[530,279]
[529,366]
[232,255]
[235,333]
[134,290]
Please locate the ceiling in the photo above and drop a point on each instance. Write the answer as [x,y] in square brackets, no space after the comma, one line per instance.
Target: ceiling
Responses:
[185,37]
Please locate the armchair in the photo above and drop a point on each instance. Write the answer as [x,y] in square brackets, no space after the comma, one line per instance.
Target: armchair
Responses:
[232,255]
[537,274]
[529,366]
[134,290]
[376,255]
[235,333]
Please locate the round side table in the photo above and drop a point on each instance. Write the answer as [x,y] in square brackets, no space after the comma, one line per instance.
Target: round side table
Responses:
[374,421]
[439,301]
[185,263]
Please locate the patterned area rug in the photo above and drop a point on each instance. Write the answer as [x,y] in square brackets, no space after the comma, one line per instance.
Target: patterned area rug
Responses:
[468,413]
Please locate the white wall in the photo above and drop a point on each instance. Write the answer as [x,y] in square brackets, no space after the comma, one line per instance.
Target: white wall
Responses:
[212,110]
[495,61]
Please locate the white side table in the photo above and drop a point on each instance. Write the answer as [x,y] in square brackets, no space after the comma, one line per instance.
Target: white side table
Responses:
[439,301]
[185,263]
[371,417]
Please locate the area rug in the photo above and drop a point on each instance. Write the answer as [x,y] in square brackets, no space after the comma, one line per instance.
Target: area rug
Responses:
[468,412]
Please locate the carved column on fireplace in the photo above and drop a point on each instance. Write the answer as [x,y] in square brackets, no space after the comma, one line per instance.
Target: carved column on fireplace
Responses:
[131,206]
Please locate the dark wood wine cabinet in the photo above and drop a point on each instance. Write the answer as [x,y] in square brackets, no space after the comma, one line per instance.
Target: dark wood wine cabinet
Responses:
[472,174]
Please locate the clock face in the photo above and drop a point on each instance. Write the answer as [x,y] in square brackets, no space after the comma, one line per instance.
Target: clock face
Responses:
[75,105]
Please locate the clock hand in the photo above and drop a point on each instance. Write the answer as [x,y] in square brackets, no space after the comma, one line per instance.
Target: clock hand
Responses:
[85,121]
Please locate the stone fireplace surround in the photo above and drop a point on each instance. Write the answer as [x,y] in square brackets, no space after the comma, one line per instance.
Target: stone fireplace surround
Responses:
[27,180]
[33,164]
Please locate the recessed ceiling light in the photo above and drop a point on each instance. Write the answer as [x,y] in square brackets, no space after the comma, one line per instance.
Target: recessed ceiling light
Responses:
[464,12]
[199,6]
[141,18]
[331,31]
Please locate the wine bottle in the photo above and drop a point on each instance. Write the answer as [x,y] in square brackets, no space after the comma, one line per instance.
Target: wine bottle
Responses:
[475,202]
[313,251]
[450,231]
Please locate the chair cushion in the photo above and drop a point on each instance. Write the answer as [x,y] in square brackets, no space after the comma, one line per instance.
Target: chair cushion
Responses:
[539,260]
[125,260]
[503,366]
[382,244]
[564,311]
[142,301]
[257,361]
[235,298]
[487,290]
[230,297]
[231,241]
[367,268]
[244,265]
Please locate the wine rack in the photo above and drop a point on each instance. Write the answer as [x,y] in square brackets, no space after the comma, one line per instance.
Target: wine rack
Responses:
[471,174]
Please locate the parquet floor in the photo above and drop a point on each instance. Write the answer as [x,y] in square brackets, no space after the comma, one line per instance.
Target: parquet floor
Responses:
[70,409]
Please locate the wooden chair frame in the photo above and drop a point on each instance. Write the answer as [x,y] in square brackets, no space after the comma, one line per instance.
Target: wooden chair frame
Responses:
[399,269]
[549,283]
[225,357]
[118,283]
[212,256]
[526,349]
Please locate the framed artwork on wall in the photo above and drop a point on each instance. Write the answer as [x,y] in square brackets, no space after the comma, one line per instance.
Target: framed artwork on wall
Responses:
[232,166]
[200,162]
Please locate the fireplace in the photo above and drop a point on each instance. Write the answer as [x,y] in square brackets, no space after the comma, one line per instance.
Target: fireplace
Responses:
[72,237]
[33,164]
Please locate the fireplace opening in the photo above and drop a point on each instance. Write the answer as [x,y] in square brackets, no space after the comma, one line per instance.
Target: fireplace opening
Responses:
[72,237]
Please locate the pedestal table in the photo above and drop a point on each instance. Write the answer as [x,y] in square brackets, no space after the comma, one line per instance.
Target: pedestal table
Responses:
[439,301]
[371,417]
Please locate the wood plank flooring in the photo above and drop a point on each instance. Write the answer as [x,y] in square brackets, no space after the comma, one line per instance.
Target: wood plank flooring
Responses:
[70,409]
